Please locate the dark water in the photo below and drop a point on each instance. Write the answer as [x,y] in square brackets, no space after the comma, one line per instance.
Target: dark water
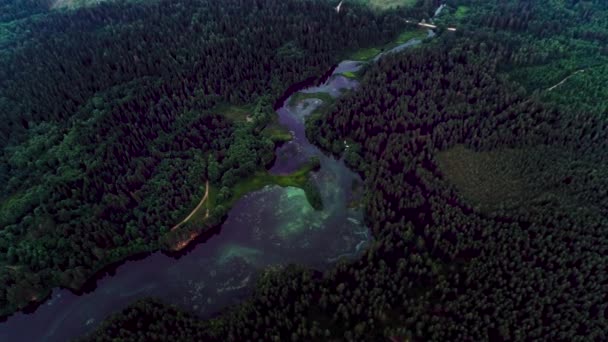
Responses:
[268,228]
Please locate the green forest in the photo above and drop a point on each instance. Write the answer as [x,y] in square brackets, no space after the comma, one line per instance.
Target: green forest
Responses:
[483,155]
[116,116]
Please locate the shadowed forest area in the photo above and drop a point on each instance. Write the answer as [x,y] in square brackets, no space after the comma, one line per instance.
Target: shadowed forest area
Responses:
[483,155]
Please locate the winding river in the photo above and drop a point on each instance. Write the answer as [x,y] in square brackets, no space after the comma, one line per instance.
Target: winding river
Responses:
[271,227]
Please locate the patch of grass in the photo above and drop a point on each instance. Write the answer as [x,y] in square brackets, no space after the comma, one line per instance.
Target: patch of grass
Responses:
[349,74]
[234,113]
[365,54]
[461,12]
[212,198]
[411,34]
[388,4]
[299,179]
[277,133]
[239,114]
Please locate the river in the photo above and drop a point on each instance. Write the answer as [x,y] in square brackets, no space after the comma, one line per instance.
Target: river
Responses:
[271,227]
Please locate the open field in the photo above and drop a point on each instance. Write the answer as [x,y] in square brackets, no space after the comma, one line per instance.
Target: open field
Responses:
[234,113]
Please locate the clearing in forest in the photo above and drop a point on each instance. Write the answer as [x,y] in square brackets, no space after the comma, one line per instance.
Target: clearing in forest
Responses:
[388,4]
[480,176]
[524,177]
[235,113]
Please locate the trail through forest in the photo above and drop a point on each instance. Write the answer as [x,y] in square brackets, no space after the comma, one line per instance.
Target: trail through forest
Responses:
[565,79]
[195,209]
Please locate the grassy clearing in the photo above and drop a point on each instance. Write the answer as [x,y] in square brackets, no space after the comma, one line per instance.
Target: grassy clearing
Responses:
[411,34]
[349,74]
[365,54]
[298,179]
[234,113]
[277,133]
[388,4]
[211,198]
[239,114]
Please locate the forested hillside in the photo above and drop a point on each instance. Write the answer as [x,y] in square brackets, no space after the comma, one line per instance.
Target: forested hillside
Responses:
[485,190]
[114,117]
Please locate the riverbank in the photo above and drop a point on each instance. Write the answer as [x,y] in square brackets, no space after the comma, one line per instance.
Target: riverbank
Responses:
[176,241]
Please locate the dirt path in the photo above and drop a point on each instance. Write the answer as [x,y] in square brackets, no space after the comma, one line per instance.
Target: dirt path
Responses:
[196,209]
[565,79]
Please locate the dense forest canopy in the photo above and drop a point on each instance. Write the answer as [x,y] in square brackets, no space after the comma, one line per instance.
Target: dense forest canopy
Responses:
[11,10]
[485,191]
[112,120]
